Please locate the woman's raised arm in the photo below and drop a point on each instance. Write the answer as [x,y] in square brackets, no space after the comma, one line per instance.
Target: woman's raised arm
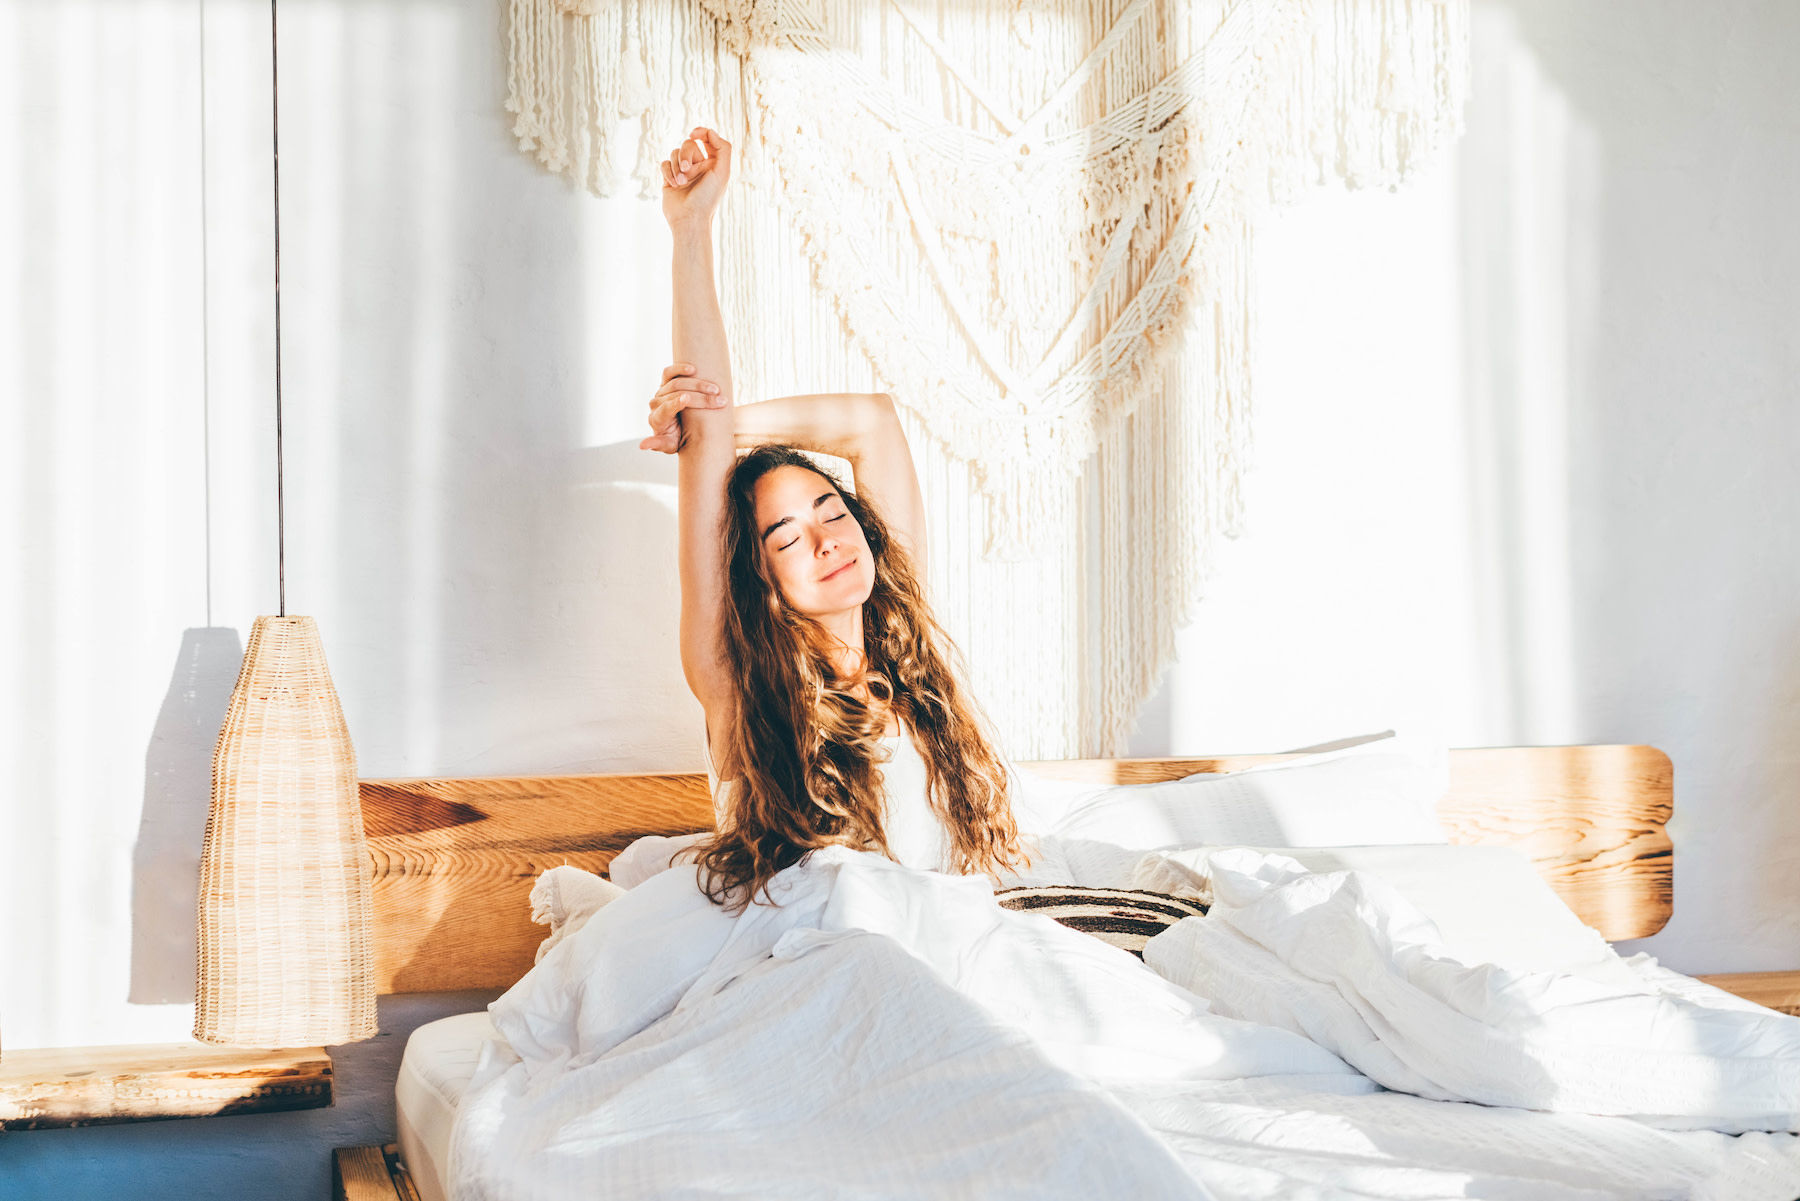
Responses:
[693,180]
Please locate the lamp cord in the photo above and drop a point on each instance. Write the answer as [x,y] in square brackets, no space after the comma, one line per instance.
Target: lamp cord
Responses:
[275,142]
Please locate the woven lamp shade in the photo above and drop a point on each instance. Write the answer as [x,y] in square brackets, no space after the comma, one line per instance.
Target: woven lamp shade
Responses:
[285,956]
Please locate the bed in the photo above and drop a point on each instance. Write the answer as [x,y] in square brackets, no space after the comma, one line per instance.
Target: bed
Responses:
[455,857]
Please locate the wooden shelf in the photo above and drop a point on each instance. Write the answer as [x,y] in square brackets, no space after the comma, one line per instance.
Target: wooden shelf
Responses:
[95,1086]
[1778,990]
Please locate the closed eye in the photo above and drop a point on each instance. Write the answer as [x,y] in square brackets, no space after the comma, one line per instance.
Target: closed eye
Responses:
[839,517]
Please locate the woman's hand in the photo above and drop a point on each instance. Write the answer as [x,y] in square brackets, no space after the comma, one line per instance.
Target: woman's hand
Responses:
[694,178]
[680,390]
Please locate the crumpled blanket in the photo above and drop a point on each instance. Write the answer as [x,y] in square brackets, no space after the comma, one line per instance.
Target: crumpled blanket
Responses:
[885,1032]
[1344,959]
[881,1032]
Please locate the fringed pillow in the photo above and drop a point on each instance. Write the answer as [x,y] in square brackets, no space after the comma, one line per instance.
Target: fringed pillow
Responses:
[1125,917]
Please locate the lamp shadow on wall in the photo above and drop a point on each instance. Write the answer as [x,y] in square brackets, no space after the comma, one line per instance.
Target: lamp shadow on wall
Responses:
[165,865]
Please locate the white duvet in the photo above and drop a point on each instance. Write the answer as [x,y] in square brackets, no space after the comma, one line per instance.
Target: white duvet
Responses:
[892,1033]
[1343,959]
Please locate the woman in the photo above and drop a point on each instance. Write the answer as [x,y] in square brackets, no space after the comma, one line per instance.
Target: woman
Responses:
[833,713]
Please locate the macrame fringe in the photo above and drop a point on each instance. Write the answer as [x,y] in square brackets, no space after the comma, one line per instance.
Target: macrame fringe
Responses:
[1083,395]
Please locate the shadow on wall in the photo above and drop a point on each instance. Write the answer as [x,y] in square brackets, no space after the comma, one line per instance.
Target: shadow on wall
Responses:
[1634,270]
[1775,828]
[621,564]
[165,866]
[1530,164]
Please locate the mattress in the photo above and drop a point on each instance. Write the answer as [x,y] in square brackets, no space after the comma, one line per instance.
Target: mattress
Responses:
[436,1069]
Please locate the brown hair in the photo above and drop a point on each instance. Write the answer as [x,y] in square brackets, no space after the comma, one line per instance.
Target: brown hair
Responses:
[806,741]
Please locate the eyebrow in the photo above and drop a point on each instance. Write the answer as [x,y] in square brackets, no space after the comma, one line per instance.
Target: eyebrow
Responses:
[781,521]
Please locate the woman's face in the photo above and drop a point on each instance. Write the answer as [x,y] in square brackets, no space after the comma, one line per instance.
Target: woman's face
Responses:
[815,549]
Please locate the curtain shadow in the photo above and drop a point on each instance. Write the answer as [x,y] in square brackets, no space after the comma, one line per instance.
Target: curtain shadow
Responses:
[165,865]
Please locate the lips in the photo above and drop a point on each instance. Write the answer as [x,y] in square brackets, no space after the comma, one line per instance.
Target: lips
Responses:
[840,571]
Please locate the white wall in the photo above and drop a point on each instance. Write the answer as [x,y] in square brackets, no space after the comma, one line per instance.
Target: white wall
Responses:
[466,343]
[1346,607]
[1523,463]
[1526,441]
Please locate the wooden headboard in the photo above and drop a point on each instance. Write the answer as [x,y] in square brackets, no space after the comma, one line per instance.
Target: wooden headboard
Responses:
[453,860]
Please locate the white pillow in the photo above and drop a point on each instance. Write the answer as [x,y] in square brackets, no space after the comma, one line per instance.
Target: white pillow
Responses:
[1383,792]
[1488,903]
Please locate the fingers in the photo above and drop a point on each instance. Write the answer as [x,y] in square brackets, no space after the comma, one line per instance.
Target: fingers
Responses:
[716,146]
[688,162]
[687,383]
[702,153]
[664,410]
[678,380]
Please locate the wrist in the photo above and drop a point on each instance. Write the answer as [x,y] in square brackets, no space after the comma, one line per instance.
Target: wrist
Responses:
[691,226]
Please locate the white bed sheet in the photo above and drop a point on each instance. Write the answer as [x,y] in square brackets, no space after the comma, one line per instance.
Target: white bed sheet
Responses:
[434,1074]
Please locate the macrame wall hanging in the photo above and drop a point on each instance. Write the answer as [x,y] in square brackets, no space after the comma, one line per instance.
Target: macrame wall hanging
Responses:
[1031,222]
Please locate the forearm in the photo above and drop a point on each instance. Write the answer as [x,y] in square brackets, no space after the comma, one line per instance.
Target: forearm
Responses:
[698,337]
[698,332]
[845,424]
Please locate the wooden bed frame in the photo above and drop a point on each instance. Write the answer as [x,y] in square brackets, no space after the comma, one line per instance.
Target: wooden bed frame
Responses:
[453,860]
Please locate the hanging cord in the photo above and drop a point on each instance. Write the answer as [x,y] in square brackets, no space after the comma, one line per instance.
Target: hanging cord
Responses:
[275,141]
[205,326]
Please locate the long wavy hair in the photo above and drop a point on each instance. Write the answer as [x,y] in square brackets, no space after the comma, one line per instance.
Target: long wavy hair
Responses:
[807,741]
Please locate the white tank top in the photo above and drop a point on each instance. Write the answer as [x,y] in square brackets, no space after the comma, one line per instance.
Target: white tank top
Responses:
[915,835]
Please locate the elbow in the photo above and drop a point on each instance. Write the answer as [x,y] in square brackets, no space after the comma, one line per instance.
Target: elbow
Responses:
[881,413]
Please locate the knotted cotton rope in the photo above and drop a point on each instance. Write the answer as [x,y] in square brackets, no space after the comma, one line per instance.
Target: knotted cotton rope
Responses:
[1031,223]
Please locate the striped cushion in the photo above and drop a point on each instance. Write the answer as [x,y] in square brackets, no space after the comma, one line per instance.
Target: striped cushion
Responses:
[1125,917]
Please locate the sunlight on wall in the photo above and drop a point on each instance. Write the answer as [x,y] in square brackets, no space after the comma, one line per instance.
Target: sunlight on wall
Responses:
[1344,607]
[104,553]
[138,383]
[1529,169]
[1408,559]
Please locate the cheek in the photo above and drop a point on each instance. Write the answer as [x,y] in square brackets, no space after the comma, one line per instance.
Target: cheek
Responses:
[865,583]
[791,578]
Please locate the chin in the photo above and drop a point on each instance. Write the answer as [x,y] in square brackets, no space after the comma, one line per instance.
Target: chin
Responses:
[842,595]
[864,585]
[852,595]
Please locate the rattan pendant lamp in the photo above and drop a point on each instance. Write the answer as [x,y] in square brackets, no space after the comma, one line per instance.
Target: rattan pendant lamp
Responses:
[284,913]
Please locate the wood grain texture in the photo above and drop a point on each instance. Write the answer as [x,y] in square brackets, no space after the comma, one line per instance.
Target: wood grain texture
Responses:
[1591,818]
[361,1174]
[1779,991]
[453,862]
[1143,771]
[453,859]
[397,1171]
[96,1086]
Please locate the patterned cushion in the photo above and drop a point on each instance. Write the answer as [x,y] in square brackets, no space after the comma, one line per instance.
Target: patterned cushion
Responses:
[1125,917]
